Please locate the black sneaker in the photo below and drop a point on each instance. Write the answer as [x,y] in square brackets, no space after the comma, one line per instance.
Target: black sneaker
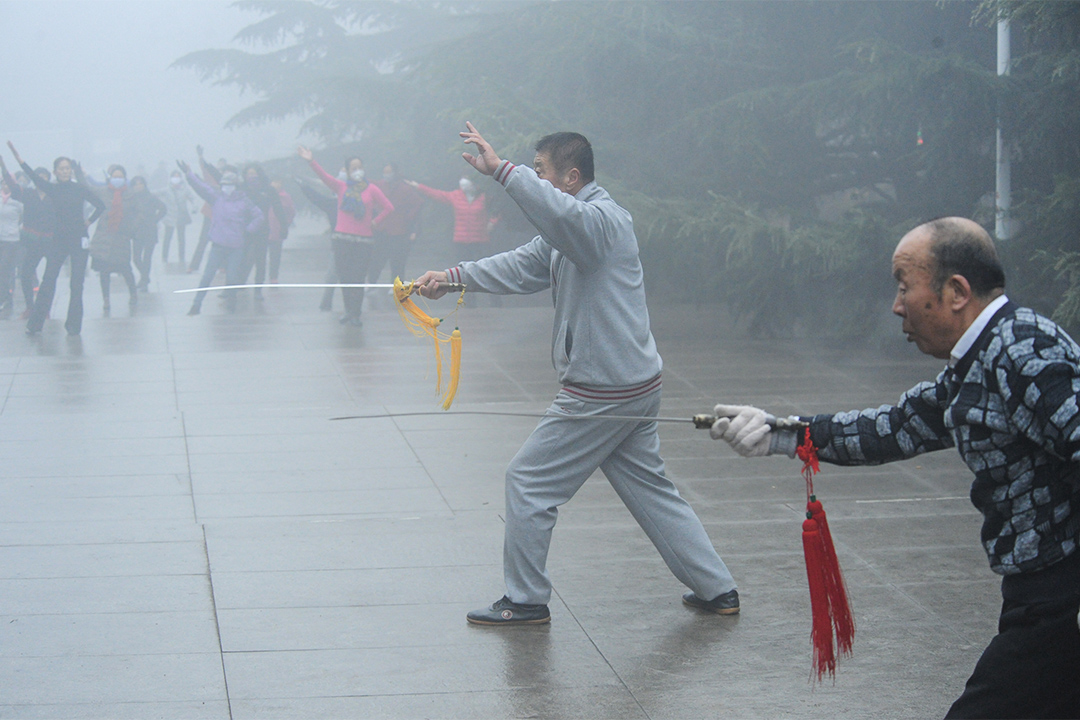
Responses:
[726,604]
[505,612]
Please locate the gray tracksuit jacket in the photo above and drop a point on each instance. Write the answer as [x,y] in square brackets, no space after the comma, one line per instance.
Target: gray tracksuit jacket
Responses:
[587,254]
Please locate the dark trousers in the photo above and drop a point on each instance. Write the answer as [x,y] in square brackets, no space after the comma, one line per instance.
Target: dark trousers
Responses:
[1031,669]
[124,271]
[352,254]
[144,258]
[275,259]
[34,250]
[255,257]
[9,264]
[392,248]
[60,252]
[232,259]
[204,238]
[181,232]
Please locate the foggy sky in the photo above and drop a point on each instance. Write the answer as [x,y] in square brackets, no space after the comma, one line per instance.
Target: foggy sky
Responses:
[91,79]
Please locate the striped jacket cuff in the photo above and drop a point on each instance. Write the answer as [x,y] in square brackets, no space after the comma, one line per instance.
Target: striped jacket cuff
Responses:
[453,275]
[503,172]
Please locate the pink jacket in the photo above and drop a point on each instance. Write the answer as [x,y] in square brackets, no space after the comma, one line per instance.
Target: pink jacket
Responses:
[371,196]
[470,218]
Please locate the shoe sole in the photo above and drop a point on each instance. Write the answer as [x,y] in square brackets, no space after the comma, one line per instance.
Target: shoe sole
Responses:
[718,611]
[489,623]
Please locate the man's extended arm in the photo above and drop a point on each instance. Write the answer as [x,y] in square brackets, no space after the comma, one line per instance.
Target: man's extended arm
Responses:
[916,424]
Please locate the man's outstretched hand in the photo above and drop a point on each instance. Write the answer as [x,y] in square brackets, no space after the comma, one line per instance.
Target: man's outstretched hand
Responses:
[485,160]
[431,284]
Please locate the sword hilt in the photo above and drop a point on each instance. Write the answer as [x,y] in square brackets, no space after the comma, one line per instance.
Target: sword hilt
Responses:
[703,421]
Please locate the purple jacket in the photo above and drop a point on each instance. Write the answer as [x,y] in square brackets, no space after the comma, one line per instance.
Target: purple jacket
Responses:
[233,215]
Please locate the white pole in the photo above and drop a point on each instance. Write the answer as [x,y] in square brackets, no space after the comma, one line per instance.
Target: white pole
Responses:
[1003,185]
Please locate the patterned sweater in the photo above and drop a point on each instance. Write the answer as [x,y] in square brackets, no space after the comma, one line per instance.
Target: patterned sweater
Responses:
[1010,406]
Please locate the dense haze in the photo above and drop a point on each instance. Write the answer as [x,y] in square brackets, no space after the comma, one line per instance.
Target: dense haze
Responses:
[92,80]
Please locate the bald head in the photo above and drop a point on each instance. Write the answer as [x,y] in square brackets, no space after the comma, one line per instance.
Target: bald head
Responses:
[958,246]
[947,271]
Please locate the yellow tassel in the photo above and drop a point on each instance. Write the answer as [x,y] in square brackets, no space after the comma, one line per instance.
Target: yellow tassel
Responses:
[420,323]
[455,368]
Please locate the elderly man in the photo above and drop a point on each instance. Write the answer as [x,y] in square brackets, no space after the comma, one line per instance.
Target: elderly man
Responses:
[604,353]
[1008,402]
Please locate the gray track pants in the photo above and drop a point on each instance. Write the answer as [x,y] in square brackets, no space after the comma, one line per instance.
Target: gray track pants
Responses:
[559,457]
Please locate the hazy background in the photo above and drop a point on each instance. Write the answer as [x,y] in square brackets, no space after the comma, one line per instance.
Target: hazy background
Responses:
[91,79]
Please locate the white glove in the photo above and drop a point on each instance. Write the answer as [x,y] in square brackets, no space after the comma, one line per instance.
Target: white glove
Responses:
[749,431]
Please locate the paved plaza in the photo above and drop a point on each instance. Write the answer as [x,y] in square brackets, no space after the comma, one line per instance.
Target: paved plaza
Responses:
[186,534]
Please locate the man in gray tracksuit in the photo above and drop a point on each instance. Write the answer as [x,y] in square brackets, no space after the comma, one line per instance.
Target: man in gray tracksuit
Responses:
[607,362]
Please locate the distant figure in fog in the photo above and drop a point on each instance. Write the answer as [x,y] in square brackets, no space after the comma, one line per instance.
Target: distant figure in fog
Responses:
[396,235]
[11,213]
[110,248]
[472,224]
[38,227]
[178,200]
[210,174]
[233,217]
[149,211]
[279,228]
[328,205]
[71,240]
[356,224]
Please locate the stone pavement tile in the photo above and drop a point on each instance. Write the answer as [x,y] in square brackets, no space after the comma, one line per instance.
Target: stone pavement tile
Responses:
[67,485]
[393,477]
[143,593]
[390,502]
[473,585]
[540,701]
[15,428]
[112,678]
[103,560]
[106,530]
[116,633]
[41,507]
[416,621]
[280,545]
[527,658]
[180,710]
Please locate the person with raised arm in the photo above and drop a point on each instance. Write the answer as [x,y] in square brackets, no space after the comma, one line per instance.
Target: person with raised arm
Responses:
[607,362]
[38,228]
[353,237]
[71,240]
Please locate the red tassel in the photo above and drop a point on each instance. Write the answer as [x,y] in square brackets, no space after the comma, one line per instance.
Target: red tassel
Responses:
[842,619]
[828,592]
[821,636]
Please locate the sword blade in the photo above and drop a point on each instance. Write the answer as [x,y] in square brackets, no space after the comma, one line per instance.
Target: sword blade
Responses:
[701,421]
[450,287]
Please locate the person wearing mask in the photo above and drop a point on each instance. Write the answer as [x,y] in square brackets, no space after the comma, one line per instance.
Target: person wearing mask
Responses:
[70,240]
[353,233]
[396,234]
[210,174]
[148,210]
[110,248]
[178,200]
[11,214]
[472,224]
[328,205]
[233,217]
[279,228]
[38,227]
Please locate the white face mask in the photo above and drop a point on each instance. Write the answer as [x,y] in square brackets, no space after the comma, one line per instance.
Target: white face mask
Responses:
[466,186]
[357,175]
[228,189]
[174,180]
[117,182]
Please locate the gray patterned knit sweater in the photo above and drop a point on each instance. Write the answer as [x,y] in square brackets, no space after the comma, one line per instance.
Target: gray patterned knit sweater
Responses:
[1010,406]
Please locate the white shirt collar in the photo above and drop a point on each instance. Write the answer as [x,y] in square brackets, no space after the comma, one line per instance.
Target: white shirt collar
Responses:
[974,330]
